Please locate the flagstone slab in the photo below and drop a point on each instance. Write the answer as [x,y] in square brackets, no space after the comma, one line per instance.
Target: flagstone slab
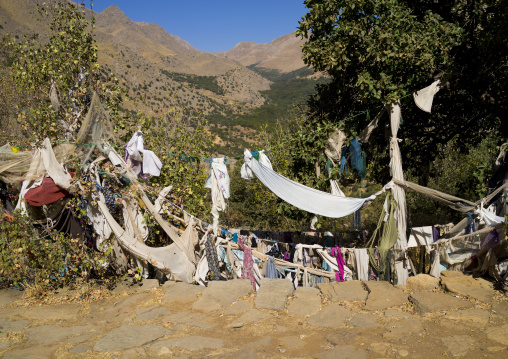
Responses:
[469,287]
[498,334]
[130,336]
[13,325]
[422,282]
[119,309]
[364,321]
[403,330]
[458,345]
[397,314]
[52,312]
[383,295]
[151,313]
[475,315]
[251,316]
[331,316]
[193,319]
[179,292]
[54,333]
[343,352]
[31,352]
[353,290]
[192,342]
[307,301]
[273,293]
[426,302]
[220,294]
[238,308]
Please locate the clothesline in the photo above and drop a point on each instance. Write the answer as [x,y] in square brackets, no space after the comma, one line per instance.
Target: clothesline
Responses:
[437,243]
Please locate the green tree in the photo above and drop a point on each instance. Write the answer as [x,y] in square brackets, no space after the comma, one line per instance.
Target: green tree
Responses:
[57,76]
[379,51]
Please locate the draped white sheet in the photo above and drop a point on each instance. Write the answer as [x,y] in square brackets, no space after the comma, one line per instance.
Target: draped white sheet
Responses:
[303,197]
[169,258]
[396,168]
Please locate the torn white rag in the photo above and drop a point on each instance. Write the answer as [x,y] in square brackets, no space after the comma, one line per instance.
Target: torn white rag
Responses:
[246,172]
[362,263]
[420,236]
[135,147]
[424,97]
[221,174]
[399,193]
[168,259]
[488,217]
[218,181]
[335,189]
[132,213]
[303,197]
[44,163]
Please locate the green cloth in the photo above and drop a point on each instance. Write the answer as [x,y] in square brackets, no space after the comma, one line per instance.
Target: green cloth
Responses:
[386,241]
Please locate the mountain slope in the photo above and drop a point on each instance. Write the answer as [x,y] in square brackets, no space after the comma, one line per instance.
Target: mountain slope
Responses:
[164,74]
[283,54]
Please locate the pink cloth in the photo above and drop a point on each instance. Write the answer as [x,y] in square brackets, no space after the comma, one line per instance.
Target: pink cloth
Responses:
[248,264]
[340,263]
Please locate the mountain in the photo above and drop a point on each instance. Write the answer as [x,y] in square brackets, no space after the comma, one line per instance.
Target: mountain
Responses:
[145,54]
[236,91]
[283,54]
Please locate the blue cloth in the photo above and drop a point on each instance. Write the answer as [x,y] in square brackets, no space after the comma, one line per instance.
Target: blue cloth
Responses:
[235,237]
[358,219]
[470,227]
[343,160]
[239,253]
[326,267]
[224,258]
[328,241]
[357,159]
[271,271]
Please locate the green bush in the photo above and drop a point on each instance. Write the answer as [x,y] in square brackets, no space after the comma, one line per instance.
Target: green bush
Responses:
[32,257]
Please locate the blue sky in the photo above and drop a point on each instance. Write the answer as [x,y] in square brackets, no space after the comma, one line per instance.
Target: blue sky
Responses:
[215,25]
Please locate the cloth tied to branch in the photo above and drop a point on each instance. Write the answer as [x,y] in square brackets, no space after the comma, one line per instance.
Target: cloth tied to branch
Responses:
[303,197]
[143,162]
[218,181]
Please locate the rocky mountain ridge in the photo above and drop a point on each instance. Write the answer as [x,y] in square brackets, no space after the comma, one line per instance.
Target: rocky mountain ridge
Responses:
[283,54]
[165,74]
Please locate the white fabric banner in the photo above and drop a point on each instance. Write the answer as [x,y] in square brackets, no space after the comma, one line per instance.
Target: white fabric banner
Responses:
[399,193]
[303,197]
[218,181]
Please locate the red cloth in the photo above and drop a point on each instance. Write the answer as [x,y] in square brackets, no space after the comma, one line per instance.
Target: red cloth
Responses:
[47,193]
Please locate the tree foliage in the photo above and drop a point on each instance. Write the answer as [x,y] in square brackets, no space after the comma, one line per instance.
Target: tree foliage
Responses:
[378,51]
[63,55]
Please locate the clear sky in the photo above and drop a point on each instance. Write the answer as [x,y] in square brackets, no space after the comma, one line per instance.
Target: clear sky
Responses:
[215,25]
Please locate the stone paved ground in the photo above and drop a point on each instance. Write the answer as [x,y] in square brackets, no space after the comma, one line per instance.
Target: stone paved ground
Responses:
[459,316]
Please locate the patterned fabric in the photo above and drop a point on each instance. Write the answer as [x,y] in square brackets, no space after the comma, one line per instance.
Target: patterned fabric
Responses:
[373,274]
[211,257]
[420,258]
[248,265]
[108,193]
[224,258]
